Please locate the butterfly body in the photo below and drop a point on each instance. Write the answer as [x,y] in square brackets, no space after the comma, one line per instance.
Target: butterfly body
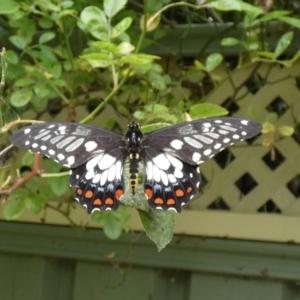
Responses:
[170,157]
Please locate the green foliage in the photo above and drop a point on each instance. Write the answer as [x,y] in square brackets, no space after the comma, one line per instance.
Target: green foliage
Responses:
[63,56]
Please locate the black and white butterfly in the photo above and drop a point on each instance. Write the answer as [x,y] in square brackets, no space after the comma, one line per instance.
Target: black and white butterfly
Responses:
[170,157]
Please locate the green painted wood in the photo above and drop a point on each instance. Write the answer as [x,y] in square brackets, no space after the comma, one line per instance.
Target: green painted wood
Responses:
[35,277]
[242,258]
[210,287]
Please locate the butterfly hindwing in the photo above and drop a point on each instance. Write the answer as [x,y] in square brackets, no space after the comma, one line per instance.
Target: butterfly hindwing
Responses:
[169,182]
[69,144]
[195,142]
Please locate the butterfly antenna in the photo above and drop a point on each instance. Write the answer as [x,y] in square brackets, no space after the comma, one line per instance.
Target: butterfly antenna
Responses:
[114,110]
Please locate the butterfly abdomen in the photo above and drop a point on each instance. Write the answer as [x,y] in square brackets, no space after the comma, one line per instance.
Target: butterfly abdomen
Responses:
[134,159]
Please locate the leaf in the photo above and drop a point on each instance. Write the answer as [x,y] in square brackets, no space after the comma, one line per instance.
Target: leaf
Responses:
[98,60]
[19,41]
[228,5]
[27,159]
[149,26]
[154,126]
[34,203]
[11,57]
[21,97]
[106,46]
[267,54]
[14,209]
[126,48]
[159,226]
[213,61]
[286,130]
[283,43]
[93,13]
[268,127]
[292,21]
[205,110]
[8,7]
[121,27]
[112,7]
[156,108]
[139,58]
[59,185]
[230,41]
[46,37]
[112,227]
[274,15]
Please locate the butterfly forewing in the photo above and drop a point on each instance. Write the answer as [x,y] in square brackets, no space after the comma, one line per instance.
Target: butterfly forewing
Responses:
[69,144]
[195,142]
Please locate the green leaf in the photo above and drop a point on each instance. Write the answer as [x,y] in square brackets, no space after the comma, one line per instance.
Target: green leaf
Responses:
[205,110]
[267,54]
[283,43]
[59,185]
[139,58]
[154,126]
[22,82]
[228,5]
[11,57]
[159,226]
[45,23]
[46,37]
[230,41]
[93,13]
[274,15]
[8,7]
[112,7]
[21,97]
[112,227]
[213,61]
[98,60]
[19,193]
[121,27]
[286,130]
[126,48]
[106,47]
[19,41]
[27,159]
[156,108]
[34,203]
[14,209]
[292,21]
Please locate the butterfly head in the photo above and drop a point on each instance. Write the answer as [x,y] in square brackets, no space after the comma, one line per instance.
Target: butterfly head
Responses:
[133,137]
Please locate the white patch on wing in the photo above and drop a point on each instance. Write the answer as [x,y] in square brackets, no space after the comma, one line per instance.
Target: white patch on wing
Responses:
[212,135]
[65,142]
[156,173]
[193,142]
[90,174]
[176,163]
[92,163]
[227,140]
[161,161]
[43,147]
[47,137]
[178,173]
[34,145]
[55,139]
[90,146]
[106,161]
[203,139]
[236,136]
[27,143]
[164,177]
[207,124]
[176,144]
[51,152]
[104,177]
[70,160]
[111,173]
[207,152]
[244,133]
[41,134]
[217,146]
[245,122]
[119,170]
[218,121]
[149,170]
[186,129]
[60,156]
[228,128]
[74,145]
[196,157]
[27,130]
[172,178]
[224,132]
[96,178]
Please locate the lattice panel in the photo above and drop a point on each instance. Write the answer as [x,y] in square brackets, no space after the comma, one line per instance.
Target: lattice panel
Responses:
[246,179]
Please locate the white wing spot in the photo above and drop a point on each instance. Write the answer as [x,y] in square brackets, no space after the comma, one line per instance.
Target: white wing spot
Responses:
[27,143]
[51,126]
[178,173]
[212,135]
[191,175]
[156,173]
[218,121]
[161,161]
[227,140]
[236,136]
[245,122]
[244,133]
[65,142]
[223,131]
[90,146]
[164,177]
[34,145]
[43,147]
[203,139]
[207,124]
[207,152]
[193,142]
[175,162]
[104,177]
[97,178]
[77,176]
[176,144]
[172,178]
[149,170]
[92,163]
[60,156]
[111,173]
[70,160]
[27,130]
[217,146]
[196,157]
[51,152]
[106,161]
[229,128]
[43,133]
[47,137]
[119,170]
[90,174]
[74,145]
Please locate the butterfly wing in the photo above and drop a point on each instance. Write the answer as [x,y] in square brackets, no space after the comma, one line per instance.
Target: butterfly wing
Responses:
[171,156]
[69,144]
[95,156]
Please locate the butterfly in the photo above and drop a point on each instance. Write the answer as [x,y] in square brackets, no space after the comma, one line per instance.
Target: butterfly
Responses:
[170,156]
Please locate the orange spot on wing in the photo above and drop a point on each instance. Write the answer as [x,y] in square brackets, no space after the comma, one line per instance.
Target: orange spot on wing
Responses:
[89,194]
[109,201]
[118,194]
[179,193]
[158,201]
[170,202]
[148,193]
[97,201]
[189,189]
[79,191]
